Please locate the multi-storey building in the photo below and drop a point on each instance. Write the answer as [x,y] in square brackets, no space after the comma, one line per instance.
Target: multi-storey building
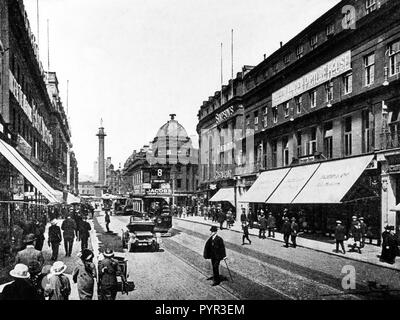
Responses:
[87,188]
[165,172]
[321,115]
[36,139]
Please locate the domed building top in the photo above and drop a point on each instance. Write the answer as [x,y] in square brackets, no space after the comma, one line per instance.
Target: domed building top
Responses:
[172,129]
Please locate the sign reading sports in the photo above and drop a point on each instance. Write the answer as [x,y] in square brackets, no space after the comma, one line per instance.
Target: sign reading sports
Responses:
[315,78]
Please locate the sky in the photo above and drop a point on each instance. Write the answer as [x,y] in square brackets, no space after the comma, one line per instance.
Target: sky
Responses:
[132,62]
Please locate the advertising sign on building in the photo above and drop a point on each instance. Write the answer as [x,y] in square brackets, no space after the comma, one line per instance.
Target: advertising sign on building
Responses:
[158,192]
[315,78]
[224,115]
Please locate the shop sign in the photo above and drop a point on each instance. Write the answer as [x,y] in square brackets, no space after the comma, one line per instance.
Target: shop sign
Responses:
[18,196]
[146,185]
[226,174]
[224,115]
[313,79]
[394,168]
[158,192]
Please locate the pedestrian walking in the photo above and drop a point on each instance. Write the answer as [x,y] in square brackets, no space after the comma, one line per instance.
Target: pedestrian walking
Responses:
[69,228]
[250,218]
[245,228]
[294,231]
[221,217]
[214,249]
[271,225]
[285,214]
[340,236]
[364,229]
[54,239]
[262,221]
[229,219]
[107,220]
[108,271]
[355,233]
[286,231]
[20,288]
[32,258]
[390,245]
[184,212]
[85,274]
[84,231]
[40,229]
[59,287]
[243,216]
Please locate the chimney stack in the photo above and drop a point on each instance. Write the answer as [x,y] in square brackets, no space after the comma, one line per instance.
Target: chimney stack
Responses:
[281,44]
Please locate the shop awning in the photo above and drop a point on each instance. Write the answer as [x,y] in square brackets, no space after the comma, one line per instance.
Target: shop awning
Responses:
[27,171]
[333,180]
[293,183]
[70,197]
[264,186]
[225,194]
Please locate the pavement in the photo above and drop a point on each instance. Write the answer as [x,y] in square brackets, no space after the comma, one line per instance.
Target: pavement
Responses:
[370,253]
[69,261]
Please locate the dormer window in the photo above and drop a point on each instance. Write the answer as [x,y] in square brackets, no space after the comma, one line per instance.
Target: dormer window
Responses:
[299,51]
[370,5]
[286,59]
[330,29]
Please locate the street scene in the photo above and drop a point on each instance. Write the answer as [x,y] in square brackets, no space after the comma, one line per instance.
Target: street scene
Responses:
[135,166]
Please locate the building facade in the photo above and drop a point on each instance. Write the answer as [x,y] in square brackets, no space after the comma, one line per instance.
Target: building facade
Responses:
[165,172]
[326,99]
[36,140]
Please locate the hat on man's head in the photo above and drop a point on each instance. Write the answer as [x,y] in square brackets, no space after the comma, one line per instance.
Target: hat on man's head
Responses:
[338,222]
[387,227]
[58,267]
[87,254]
[286,219]
[361,218]
[213,229]
[53,222]
[30,238]
[354,217]
[108,253]
[20,271]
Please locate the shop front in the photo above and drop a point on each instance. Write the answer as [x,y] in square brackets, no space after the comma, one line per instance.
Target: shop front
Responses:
[318,194]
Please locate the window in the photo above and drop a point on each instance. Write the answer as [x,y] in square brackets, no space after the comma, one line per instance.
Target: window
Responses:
[367,130]
[348,83]
[394,58]
[275,114]
[330,29]
[329,91]
[299,148]
[299,51]
[349,18]
[286,59]
[328,140]
[299,104]
[276,68]
[179,183]
[274,149]
[370,5]
[256,117]
[347,136]
[285,151]
[314,41]
[265,119]
[313,141]
[369,65]
[313,98]
[286,107]
[248,121]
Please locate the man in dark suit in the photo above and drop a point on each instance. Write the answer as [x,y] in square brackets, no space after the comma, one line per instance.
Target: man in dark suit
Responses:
[55,239]
[340,236]
[286,230]
[215,250]
[84,231]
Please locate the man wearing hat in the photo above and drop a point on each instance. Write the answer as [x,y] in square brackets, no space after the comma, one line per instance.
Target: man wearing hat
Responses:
[30,256]
[340,236]
[84,232]
[54,239]
[294,230]
[215,250]
[60,286]
[262,222]
[108,271]
[363,226]
[286,231]
[20,288]
[69,228]
[389,245]
[271,224]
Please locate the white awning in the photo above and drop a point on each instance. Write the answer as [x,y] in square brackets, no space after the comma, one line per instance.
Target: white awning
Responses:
[70,197]
[264,186]
[293,183]
[225,194]
[396,208]
[333,180]
[27,171]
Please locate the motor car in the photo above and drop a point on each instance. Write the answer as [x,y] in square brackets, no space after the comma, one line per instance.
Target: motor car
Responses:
[139,233]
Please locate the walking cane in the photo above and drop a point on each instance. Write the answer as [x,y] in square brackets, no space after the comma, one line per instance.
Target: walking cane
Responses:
[228,270]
